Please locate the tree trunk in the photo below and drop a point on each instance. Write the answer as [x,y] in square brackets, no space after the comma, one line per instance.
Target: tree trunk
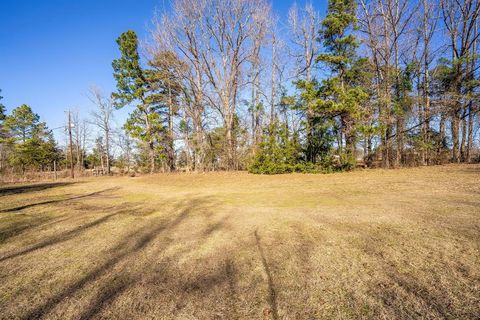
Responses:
[400,140]
[107,150]
[455,136]
[350,143]
[468,157]
[151,145]
[273,83]
[229,140]
[463,140]
[170,142]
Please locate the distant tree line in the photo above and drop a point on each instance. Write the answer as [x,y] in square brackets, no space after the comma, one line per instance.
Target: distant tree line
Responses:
[222,85]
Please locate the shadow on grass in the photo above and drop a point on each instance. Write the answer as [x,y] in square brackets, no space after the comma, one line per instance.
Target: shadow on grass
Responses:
[60,238]
[107,295]
[92,194]
[272,294]
[472,169]
[15,225]
[404,290]
[132,244]
[19,224]
[6,191]
[230,271]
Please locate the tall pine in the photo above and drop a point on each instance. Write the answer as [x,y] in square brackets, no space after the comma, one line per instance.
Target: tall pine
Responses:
[340,96]
[141,87]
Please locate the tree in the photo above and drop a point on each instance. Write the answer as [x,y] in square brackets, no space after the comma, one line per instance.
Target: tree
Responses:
[168,67]
[2,109]
[102,118]
[124,143]
[141,86]
[181,32]
[460,19]
[305,27]
[278,152]
[33,144]
[215,39]
[339,94]
[24,124]
[3,148]
[429,23]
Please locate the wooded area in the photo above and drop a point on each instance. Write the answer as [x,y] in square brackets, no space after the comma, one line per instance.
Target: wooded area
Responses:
[225,85]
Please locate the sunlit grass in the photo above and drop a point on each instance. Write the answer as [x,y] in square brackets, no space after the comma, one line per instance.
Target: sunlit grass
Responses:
[368,244]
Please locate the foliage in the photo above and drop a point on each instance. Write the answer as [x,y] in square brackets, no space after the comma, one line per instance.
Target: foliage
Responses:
[2,109]
[33,144]
[281,152]
[142,87]
[340,95]
[278,153]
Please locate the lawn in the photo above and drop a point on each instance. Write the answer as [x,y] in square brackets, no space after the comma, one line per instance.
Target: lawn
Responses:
[390,244]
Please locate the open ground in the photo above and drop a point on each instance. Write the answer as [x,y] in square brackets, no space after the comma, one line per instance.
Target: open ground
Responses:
[393,244]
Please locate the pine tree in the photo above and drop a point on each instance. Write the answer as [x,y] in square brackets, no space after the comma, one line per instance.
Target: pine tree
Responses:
[166,66]
[32,142]
[2,109]
[2,117]
[339,96]
[142,87]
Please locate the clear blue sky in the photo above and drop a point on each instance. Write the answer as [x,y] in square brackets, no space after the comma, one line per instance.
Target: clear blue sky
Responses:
[51,51]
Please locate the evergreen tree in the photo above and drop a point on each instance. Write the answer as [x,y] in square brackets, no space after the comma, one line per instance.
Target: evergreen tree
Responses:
[24,124]
[278,152]
[166,67]
[320,127]
[32,142]
[2,109]
[2,117]
[339,94]
[141,87]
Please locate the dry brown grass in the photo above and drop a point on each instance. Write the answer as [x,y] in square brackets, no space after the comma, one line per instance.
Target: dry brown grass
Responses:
[392,244]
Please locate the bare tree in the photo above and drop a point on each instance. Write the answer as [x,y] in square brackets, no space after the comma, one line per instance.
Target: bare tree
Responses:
[215,39]
[460,19]
[304,26]
[102,118]
[428,21]
[124,143]
[261,24]
[386,23]
[180,32]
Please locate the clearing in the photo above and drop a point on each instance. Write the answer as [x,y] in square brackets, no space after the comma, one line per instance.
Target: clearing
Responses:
[392,244]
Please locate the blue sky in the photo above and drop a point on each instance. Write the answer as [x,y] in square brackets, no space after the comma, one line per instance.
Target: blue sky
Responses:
[52,51]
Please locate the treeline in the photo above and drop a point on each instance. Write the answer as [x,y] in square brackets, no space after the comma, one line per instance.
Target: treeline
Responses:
[225,85]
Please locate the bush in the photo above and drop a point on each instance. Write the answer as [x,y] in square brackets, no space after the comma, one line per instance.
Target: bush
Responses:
[269,167]
[347,162]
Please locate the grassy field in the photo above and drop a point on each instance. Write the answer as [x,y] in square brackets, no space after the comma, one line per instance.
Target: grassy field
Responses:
[391,244]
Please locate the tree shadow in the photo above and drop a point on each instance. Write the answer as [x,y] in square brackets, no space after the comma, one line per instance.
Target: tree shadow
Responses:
[10,229]
[402,291]
[272,294]
[22,223]
[92,194]
[6,191]
[230,272]
[63,237]
[107,295]
[215,226]
[473,169]
[133,243]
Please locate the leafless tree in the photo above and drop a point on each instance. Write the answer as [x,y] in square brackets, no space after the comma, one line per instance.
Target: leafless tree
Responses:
[304,28]
[102,118]
[460,19]
[215,39]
